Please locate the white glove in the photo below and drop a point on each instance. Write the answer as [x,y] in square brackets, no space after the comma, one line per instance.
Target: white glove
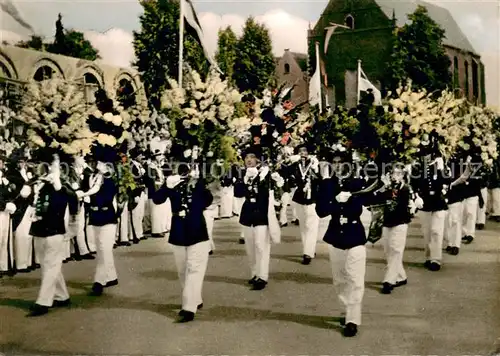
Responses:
[25,191]
[386,180]
[343,197]
[314,164]
[419,203]
[413,207]
[74,186]
[137,199]
[86,200]
[439,163]
[80,194]
[10,208]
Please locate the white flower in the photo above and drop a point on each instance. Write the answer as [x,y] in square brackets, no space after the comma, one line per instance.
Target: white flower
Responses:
[398,127]
[117,120]
[414,129]
[97,114]
[415,142]
[210,154]
[187,153]
[107,140]
[108,117]
[198,95]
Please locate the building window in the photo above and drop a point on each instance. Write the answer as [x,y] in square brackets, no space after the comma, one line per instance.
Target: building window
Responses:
[466,82]
[349,21]
[91,86]
[126,93]
[287,68]
[456,73]
[43,73]
[475,80]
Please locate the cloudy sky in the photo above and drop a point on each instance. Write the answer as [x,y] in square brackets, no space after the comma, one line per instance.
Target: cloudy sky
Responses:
[108,24]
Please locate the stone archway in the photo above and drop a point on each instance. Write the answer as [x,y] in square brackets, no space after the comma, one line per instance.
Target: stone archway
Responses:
[7,68]
[46,69]
[125,90]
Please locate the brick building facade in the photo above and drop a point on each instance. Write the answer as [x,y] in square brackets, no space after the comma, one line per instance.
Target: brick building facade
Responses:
[291,69]
[372,23]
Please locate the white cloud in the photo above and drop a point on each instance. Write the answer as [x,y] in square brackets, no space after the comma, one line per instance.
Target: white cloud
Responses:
[10,37]
[115,46]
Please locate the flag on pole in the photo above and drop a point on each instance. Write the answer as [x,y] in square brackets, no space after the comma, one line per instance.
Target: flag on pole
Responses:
[194,23]
[315,83]
[364,84]
[11,9]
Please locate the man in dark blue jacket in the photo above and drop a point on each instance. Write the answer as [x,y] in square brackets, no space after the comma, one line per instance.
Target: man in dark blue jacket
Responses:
[189,238]
[342,198]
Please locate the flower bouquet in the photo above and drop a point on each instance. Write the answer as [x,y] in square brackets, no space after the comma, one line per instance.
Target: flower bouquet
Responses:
[200,116]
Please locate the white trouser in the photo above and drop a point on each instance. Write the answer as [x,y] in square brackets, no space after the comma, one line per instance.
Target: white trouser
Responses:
[294,210]
[67,248]
[209,215]
[191,262]
[226,203]
[258,247]
[286,198]
[6,242]
[105,239]
[453,225]
[160,217]
[481,212]
[53,287]
[433,230]
[308,224]
[495,202]
[348,269]
[80,233]
[135,225]
[24,241]
[146,223]
[394,247]
[237,205]
[122,228]
[91,239]
[470,216]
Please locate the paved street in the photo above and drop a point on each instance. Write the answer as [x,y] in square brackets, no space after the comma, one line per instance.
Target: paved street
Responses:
[451,312]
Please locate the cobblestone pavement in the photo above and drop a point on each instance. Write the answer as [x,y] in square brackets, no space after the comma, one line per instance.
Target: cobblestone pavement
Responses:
[451,312]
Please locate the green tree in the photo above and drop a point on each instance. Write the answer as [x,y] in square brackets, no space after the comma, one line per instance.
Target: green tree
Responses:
[59,45]
[255,62]
[226,52]
[419,54]
[157,47]
[35,42]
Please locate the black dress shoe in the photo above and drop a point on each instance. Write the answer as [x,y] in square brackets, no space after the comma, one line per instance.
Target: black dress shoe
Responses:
[76,257]
[61,303]
[115,246]
[38,310]
[350,330]
[136,241]
[211,253]
[185,316]
[200,306]
[427,264]
[454,251]
[259,284]
[112,283]
[157,236]
[97,289]
[342,321]
[434,266]
[295,222]
[252,281]
[88,256]
[387,288]
[401,283]
[242,241]
[480,226]
[144,238]
[306,260]
[448,248]
[93,252]
[24,270]
[124,243]
[284,225]
[467,239]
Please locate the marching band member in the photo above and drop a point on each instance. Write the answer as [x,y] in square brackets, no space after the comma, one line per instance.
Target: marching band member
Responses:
[189,237]
[431,185]
[50,229]
[21,219]
[88,175]
[122,229]
[304,175]
[472,197]
[227,196]
[210,213]
[7,208]
[157,194]
[341,197]
[398,212]
[138,198]
[257,218]
[103,220]
[455,197]
[239,195]
[482,210]
[494,189]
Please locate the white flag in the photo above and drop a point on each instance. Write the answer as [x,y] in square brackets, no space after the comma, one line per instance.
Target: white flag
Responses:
[364,84]
[192,20]
[315,83]
[10,8]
